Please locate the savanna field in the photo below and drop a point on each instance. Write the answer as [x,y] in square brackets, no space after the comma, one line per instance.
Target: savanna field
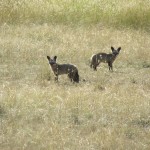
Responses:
[106,110]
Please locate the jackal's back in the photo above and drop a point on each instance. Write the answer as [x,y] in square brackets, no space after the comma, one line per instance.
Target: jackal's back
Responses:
[105,58]
[65,68]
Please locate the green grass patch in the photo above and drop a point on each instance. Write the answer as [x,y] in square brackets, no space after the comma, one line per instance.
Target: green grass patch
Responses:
[130,14]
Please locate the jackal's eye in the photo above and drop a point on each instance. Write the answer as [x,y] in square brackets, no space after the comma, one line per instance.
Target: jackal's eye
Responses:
[115,53]
[51,62]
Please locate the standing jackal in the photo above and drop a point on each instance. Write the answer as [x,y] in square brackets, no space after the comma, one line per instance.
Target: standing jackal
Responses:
[96,59]
[59,69]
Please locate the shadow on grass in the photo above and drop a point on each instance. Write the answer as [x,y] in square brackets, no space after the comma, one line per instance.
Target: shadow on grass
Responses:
[2,111]
[143,123]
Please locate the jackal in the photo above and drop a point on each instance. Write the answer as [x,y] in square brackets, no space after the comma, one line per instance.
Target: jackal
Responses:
[59,69]
[96,59]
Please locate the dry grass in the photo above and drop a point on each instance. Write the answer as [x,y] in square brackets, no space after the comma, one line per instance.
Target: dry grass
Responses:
[106,111]
[128,13]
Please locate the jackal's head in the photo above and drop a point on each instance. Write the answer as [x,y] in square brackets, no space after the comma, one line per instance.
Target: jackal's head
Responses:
[115,52]
[52,61]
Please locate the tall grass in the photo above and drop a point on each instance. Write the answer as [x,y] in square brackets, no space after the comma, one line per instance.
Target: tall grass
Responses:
[135,14]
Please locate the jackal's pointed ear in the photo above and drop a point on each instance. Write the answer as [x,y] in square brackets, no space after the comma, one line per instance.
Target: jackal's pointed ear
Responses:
[112,48]
[55,57]
[48,57]
[119,49]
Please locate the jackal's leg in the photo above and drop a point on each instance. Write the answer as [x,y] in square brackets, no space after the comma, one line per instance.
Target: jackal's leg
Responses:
[75,76]
[56,74]
[56,78]
[70,76]
[110,66]
[91,65]
[95,68]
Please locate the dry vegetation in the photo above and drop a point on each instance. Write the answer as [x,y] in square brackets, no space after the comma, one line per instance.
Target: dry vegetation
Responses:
[118,13]
[106,110]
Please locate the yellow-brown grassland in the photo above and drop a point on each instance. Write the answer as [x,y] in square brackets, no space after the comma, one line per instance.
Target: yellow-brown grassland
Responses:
[106,110]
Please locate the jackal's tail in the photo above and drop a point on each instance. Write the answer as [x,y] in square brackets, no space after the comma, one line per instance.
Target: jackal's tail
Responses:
[91,61]
[76,77]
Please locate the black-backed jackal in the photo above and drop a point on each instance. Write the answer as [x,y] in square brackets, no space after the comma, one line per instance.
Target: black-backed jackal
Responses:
[96,59]
[59,69]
